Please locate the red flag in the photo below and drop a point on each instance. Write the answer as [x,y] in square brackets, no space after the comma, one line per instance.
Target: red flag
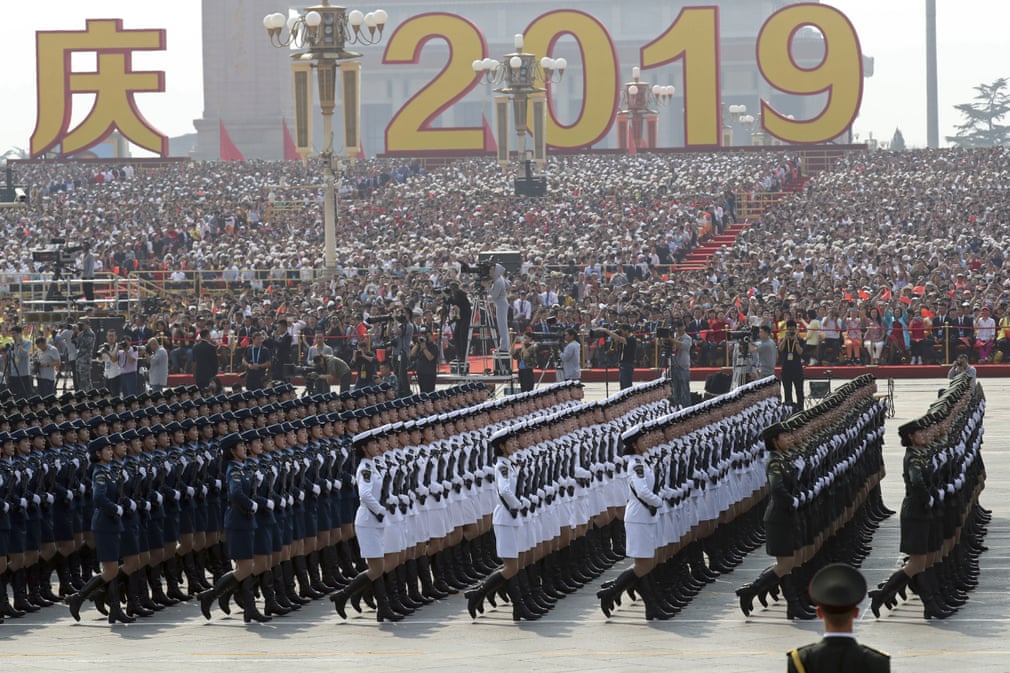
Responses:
[631,139]
[361,150]
[490,144]
[886,294]
[290,151]
[227,148]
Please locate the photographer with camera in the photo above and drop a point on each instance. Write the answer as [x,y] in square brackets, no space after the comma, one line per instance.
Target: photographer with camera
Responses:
[67,345]
[279,344]
[525,354]
[424,355]
[45,359]
[126,357]
[110,363]
[403,341]
[327,370]
[962,366]
[364,363]
[19,359]
[628,344]
[157,358]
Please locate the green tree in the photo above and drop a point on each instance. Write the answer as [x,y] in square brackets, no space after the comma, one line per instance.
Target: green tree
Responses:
[981,127]
[897,141]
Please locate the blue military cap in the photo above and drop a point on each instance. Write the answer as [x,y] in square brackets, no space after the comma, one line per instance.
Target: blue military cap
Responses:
[175,407]
[116,438]
[312,421]
[216,418]
[158,429]
[230,441]
[188,423]
[276,429]
[18,435]
[144,431]
[130,435]
[95,421]
[125,416]
[50,428]
[242,413]
[249,435]
[174,426]
[35,431]
[112,418]
[5,437]
[97,444]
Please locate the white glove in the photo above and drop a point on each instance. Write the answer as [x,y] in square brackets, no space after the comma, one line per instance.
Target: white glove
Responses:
[159,497]
[525,501]
[255,507]
[81,489]
[50,499]
[36,500]
[143,471]
[217,484]
[301,496]
[291,501]
[796,503]
[70,496]
[270,504]
[147,505]
[176,495]
[23,503]
[329,485]
[119,511]
[133,505]
[7,507]
[259,478]
[316,490]
[337,485]
[190,491]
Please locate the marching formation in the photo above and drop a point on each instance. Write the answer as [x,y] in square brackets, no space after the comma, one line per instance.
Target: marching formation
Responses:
[141,502]
[823,471]
[942,523]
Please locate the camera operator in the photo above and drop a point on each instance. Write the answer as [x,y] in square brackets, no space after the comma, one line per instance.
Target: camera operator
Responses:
[525,354]
[126,357]
[571,356]
[329,370]
[19,358]
[45,359]
[157,358]
[744,357]
[791,356]
[256,360]
[455,296]
[424,355]
[364,363]
[110,363]
[628,344]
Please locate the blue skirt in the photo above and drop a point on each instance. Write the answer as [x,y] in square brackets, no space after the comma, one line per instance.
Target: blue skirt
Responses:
[240,544]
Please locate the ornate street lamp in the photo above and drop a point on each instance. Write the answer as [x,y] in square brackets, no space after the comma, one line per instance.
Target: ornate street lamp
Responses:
[637,122]
[321,32]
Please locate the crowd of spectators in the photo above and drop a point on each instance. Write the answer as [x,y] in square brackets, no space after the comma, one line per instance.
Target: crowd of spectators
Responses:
[888,244]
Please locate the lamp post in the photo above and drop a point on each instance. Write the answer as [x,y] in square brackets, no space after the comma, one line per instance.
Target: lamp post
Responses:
[636,121]
[730,114]
[320,33]
[520,78]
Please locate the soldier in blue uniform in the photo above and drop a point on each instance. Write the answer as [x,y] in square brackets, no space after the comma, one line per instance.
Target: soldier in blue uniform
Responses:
[240,528]
[837,590]
[107,527]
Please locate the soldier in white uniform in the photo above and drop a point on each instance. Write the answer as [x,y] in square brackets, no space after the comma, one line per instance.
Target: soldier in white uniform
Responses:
[369,525]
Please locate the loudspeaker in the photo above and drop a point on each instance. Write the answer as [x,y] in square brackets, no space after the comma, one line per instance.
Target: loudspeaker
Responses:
[535,186]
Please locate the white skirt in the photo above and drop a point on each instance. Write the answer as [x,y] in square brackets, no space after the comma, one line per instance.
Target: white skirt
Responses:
[506,542]
[370,540]
[640,539]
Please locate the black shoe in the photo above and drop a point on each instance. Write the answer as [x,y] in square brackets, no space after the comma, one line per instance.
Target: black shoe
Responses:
[250,612]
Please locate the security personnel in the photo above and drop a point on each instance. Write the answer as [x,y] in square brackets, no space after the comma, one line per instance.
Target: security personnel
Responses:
[837,590]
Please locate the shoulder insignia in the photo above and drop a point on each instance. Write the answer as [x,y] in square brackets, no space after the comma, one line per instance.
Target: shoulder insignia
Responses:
[100,479]
[236,475]
[366,475]
[875,651]
[503,470]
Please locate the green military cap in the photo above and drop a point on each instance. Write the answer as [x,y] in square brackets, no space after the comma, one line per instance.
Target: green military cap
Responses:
[837,587]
